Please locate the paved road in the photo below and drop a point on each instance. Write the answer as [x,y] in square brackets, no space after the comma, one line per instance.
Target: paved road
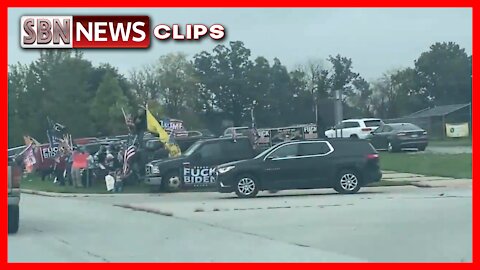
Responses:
[378,224]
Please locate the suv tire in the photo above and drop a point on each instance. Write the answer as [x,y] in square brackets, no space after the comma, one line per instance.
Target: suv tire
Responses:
[347,182]
[246,186]
[13,218]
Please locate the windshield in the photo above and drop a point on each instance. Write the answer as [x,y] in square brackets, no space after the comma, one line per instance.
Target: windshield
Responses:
[192,148]
[405,126]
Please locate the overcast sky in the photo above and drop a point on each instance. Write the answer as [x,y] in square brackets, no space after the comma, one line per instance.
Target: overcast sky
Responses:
[377,39]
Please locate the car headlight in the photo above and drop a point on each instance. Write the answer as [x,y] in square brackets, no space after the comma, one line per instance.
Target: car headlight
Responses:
[155,169]
[225,169]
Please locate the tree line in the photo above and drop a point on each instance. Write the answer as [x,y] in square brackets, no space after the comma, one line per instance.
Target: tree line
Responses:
[220,87]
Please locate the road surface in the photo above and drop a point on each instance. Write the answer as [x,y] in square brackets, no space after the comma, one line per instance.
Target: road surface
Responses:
[379,224]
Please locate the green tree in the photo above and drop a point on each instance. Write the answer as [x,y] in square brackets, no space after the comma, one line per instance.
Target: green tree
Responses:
[360,100]
[342,74]
[445,74]
[223,79]
[177,84]
[106,109]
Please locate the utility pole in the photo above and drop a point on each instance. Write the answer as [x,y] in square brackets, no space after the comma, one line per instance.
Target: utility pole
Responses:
[251,113]
[338,106]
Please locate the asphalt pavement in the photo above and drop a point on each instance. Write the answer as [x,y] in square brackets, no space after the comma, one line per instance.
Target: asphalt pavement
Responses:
[378,224]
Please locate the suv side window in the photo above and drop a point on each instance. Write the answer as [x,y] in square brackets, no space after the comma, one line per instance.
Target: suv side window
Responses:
[237,150]
[290,150]
[314,148]
[351,124]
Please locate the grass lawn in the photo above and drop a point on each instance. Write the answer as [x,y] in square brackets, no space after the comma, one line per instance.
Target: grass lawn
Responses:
[448,165]
[35,183]
[451,142]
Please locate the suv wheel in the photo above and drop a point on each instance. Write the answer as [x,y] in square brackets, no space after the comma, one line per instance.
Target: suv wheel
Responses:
[13,218]
[246,187]
[348,182]
[172,182]
[354,136]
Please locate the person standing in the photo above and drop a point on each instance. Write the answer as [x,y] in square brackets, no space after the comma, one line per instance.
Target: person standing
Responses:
[79,162]
[140,123]
[90,168]
[68,167]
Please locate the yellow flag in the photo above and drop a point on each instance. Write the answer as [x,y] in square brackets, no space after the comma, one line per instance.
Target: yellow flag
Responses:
[154,126]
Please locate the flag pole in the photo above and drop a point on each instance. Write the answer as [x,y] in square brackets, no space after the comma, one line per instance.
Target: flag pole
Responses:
[125,117]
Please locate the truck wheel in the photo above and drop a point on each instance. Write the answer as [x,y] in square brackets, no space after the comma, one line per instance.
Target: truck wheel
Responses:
[13,218]
[246,187]
[172,182]
[347,182]
[422,148]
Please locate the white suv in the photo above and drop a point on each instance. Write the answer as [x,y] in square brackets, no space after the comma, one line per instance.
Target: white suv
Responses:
[354,128]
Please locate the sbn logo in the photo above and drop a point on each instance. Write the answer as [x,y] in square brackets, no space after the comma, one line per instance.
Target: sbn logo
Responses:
[85,32]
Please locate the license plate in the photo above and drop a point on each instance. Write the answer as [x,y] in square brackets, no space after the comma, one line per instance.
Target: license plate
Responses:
[414,135]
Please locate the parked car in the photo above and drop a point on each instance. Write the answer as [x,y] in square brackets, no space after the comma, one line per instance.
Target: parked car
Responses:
[239,131]
[14,176]
[342,164]
[354,128]
[395,137]
[195,167]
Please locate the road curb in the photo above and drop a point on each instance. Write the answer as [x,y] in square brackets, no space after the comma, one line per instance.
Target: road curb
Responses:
[48,194]
[57,194]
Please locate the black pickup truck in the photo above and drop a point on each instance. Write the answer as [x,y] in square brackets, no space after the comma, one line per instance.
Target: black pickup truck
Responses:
[195,168]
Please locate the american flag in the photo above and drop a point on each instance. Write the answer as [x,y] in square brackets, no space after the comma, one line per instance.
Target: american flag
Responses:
[129,153]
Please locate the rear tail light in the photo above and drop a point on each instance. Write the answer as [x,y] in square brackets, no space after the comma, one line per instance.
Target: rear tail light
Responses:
[401,134]
[372,156]
[16,176]
[366,129]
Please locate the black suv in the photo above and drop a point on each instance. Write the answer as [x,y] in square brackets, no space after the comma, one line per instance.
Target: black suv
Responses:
[196,166]
[342,164]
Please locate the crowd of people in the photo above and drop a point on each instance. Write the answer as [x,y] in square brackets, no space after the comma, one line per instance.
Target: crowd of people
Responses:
[79,168]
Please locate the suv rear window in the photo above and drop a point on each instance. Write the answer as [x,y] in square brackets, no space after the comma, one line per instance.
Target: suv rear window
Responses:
[314,148]
[373,123]
[349,147]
